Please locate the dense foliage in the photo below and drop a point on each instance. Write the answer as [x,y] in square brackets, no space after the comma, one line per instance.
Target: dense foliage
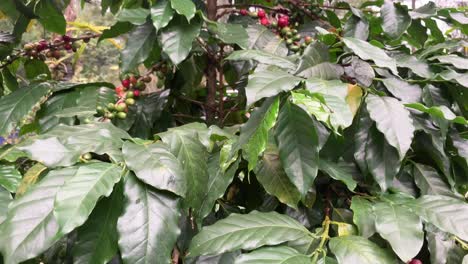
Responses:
[281,131]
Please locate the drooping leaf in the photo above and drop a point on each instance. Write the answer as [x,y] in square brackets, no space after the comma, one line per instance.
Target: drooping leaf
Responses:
[262,38]
[269,83]
[254,134]
[363,216]
[176,39]
[247,232]
[457,61]
[272,176]
[367,51]
[161,14]
[396,19]
[148,228]
[273,255]
[262,57]
[400,227]
[76,199]
[230,33]
[407,93]
[139,45]
[357,25]
[419,67]
[184,143]
[10,177]
[361,71]
[355,249]
[447,213]
[97,238]
[184,7]
[451,75]
[441,111]
[28,236]
[441,246]
[338,172]
[17,105]
[429,181]
[392,120]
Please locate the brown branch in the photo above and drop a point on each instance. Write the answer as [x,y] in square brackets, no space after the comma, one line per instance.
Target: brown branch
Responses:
[211,76]
[175,255]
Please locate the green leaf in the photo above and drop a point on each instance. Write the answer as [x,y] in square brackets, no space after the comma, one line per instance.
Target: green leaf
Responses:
[17,105]
[457,61]
[400,227]
[230,33]
[357,27]
[424,11]
[272,177]
[148,228]
[269,83]
[363,216]
[447,213]
[361,71]
[63,145]
[298,146]
[273,255]
[139,45]
[261,57]
[393,120]
[28,236]
[177,37]
[116,30]
[192,154]
[34,68]
[262,38]
[50,16]
[451,75]
[338,172]
[368,51]
[218,182]
[396,19]
[155,165]
[429,181]
[407,93]
[354,249]
[383,160]
[10,177]
[136,16]
[11,153]
[161,14]
[97,238]
[76,199]
[440,245]
[441,111]
[236,232]
[314,54]
[254,134]
[5,199]
[184,7]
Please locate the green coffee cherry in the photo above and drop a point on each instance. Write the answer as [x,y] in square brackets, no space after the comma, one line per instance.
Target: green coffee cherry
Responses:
[121,115]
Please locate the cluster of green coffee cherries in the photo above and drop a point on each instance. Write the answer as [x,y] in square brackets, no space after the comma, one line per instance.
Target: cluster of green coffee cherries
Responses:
[293,39]
[130,89]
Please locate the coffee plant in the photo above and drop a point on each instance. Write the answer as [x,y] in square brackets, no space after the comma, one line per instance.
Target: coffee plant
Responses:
[282,131]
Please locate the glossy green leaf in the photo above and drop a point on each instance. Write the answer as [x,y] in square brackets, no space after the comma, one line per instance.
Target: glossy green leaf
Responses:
[314,54]
[440,245]
[367,51]
[298,146]
[451,75]
[10,177]
[261,57]
[139,45]
[184,7]
[441,111]
[406,92]
[230,33]
[361,71]
[76,199]
[447,213]
[417,66]
[185,145]
[392,120]
[424,11]
[396,19]
[97,238]
[357,27]
[26,237]
[11,153]
[363,216]
[155,165]
[269,83]
[429,181]
[273,255]
[116,30]
[176,39]
[161,14]
[262,38]
[400,227]
[148,228]
[50,16]
[338,172]
[354,249]
[383,160]
[136,16]
[247,232]
[272,176]
[17,105]
[457,61]
[5,199]
[254,134]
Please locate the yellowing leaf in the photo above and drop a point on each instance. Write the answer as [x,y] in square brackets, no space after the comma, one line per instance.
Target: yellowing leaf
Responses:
[345,229]
[354,97]
[30,178]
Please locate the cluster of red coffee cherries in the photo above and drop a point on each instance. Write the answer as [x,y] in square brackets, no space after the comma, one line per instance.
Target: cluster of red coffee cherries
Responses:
[56,48]
[130,88]
[282,27]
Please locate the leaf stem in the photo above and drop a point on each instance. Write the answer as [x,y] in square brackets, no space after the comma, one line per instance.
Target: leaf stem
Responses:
[324,237]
